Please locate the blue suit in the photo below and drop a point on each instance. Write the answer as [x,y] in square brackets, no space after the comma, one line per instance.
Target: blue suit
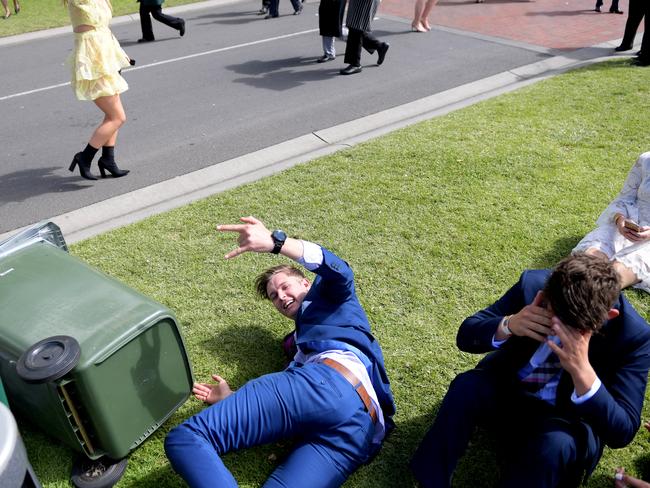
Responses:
[313,402]
[548,445]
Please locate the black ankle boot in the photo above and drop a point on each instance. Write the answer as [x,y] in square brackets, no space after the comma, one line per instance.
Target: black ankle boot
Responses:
[111,167]
[84,166]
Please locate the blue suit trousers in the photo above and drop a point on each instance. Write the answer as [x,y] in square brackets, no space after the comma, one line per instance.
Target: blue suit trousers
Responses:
[313,402]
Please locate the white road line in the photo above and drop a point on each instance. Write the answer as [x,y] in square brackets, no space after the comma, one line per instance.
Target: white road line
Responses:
[172,60]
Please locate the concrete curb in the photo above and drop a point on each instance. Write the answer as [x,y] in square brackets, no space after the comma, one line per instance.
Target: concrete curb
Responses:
[139,204]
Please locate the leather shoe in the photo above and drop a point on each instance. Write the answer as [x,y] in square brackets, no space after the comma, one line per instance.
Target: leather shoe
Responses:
[622,47]
[325,58]
[299,11]
[269,16]
[641,61]
[615,11]
[145,40]
[597,9]
[181,31]
[381,52]
[350,70]
[263,11]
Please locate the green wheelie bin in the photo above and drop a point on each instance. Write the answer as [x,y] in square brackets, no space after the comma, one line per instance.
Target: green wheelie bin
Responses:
[91,361]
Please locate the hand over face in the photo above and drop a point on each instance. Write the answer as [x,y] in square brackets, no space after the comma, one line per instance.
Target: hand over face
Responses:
[534,320]
[253,236]
[573,351]
[212,393]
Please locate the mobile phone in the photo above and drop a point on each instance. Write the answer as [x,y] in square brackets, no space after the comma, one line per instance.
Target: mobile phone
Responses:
[632,225]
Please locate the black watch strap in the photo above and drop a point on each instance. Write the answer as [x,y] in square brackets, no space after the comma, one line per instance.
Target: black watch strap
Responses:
[279,237]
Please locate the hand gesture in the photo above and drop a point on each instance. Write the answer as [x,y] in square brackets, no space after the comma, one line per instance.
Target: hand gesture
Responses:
[253,236]
[534,320]
[211,393]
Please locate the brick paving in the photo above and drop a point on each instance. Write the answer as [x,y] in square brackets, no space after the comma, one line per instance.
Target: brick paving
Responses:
[553,24]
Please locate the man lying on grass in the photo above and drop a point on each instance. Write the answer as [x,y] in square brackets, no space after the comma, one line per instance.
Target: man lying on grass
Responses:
[567,377]
[335,396]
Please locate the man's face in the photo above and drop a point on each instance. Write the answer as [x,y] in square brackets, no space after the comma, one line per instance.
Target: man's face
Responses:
[287,292]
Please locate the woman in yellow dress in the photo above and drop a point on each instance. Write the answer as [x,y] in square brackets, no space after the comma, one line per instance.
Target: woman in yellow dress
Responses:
[96,63]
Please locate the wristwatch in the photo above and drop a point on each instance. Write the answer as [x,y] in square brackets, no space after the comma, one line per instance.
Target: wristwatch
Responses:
[278,236]
[504,325]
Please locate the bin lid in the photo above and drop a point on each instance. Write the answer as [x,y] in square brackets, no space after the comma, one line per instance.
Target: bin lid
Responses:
[46,292]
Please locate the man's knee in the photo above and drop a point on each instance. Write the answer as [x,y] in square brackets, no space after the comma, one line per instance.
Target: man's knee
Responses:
[473,386]
[557,448]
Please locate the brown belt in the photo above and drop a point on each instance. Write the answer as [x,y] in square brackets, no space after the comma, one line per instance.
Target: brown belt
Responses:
[358,386]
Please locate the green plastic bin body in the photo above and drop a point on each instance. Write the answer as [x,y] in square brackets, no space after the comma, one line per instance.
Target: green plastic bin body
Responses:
[3,396]
[133,372]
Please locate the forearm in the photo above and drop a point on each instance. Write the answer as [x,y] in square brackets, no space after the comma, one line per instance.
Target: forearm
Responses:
[292,248]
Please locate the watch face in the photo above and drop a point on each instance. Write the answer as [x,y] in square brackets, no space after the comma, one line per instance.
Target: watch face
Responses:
[279,235]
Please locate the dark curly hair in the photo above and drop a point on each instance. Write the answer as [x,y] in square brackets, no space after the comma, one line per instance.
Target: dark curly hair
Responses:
[581,291]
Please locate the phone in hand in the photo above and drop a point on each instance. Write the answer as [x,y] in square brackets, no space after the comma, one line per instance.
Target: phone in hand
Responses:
[632,225]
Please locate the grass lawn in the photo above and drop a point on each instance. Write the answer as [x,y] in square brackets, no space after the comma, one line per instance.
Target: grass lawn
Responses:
[437,220]
[43,14]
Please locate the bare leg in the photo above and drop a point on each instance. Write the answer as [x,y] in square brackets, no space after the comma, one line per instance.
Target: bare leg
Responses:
[16,6]
[625,275]
[427,11]
[114,118]
[417,15]
[7,13]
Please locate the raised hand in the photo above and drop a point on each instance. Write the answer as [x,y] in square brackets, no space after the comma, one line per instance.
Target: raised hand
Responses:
[534,320]
[253,236]
[573,353]
[212,393]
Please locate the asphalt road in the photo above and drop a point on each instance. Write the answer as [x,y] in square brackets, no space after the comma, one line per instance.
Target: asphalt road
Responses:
[236,83]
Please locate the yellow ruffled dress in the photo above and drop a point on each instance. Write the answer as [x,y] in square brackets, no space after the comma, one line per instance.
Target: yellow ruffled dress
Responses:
[97,57]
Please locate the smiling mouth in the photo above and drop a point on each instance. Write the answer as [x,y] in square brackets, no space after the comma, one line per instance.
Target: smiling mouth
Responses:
[288,303]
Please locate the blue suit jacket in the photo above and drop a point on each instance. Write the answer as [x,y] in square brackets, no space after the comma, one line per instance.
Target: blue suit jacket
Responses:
[331,317]
[619,353]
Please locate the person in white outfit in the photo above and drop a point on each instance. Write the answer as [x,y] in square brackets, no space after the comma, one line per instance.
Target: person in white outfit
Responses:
[623,229]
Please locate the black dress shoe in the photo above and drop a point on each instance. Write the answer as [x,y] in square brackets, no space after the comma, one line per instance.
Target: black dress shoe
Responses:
[269,16]
[597,9]
[299,11]
[145,40]
[615,11]
[325,58]
[350,70]
[622,47]
[181,31]
[641,61]
[263,11]
[381,52]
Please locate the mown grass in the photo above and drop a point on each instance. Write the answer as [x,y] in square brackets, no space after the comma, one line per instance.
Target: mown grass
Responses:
[437,220]
[44,14]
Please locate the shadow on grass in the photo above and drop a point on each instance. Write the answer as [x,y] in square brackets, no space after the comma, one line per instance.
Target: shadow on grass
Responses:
[236,345]
[556,251]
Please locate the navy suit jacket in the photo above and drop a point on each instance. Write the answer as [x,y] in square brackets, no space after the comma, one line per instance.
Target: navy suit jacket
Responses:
[619,353]
[331,317]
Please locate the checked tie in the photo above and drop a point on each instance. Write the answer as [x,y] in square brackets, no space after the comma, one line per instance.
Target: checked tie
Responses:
[543,367]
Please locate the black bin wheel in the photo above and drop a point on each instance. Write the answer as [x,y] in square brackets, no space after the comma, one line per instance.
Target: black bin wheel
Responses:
[49,359]
[100,473]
